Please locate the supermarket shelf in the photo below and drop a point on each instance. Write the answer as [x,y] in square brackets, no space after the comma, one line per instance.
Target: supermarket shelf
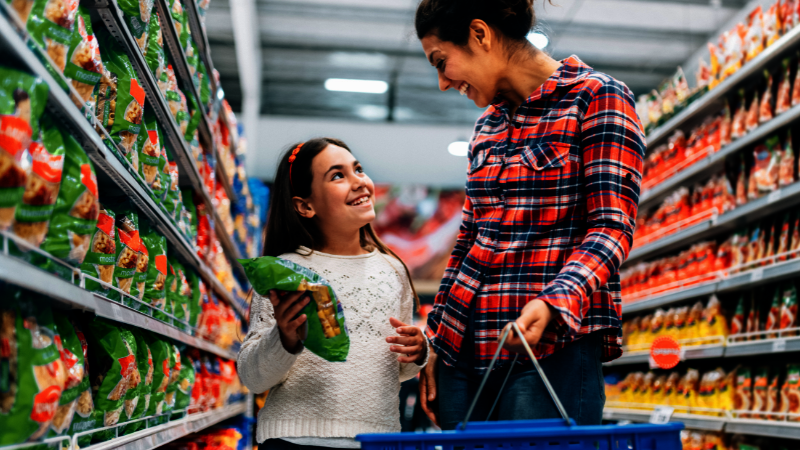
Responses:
[642,357]
[22,274]
[226,182]
[763,428]
[750,212]
[154,437]
[639,357]
[693,421]
[673,297]
[762,347]
[712,100]
[201,39]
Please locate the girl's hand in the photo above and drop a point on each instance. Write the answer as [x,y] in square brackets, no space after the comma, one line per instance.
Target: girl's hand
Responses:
[412,343]
[287,305]
[532,321]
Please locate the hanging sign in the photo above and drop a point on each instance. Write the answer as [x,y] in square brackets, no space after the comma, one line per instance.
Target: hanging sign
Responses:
[665,353]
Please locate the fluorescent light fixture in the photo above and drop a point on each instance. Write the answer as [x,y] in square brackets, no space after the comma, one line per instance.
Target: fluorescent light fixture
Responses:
[363,86]
[458,148]
[538,39]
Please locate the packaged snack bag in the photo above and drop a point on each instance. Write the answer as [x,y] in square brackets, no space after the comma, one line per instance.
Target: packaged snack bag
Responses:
[161,371]
[154,53]
[707,392]
[34,374]
[22,100]
[794,244]
[751,119]
[99,261]
[784,100]
[133,394]
[144,365]
[795,90]
[327,335]
[45,162]
[84,65]
[765,109]
[786,171]
[174,377]
[774,315]
[72,357]
[192,136]
[769,250]
[76,210]
[198,289]
[741,183]
[772,24]
[155,282]
[693,321]
[790,393]
[137,14]
[186,381]
[738,126]
[150,147]
[743,393]
[166,178]
[139,285]
[688,387]
[120,96]
[177,15]
[84,417]
[753,319]
[126,244]
[22,8]
[738,320]
[174,200]
[50,24]
[113,363]
[760,386]
[726,384]
[754,39]
[789,309]
[773,397]
[713,323]
[172,286]
[783,241]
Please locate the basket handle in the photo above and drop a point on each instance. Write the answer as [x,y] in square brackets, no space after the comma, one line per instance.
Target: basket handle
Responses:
[512,326]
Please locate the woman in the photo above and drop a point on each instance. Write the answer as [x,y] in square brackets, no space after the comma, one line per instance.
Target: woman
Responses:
[552,193]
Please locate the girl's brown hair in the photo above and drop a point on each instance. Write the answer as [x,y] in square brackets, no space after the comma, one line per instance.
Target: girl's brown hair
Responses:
[286,229]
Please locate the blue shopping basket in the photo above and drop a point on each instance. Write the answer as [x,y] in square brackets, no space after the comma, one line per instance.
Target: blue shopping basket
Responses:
[550,434]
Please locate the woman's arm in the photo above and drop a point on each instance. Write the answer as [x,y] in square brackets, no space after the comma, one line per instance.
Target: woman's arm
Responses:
[263,361]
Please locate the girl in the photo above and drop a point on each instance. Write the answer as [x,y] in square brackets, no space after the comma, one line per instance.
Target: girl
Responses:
[322,207]
[552,193]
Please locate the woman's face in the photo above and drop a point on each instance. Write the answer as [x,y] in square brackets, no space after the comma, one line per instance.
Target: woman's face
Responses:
[341,193]
[473,70]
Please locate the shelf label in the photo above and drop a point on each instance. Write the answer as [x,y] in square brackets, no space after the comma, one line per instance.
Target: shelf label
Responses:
[661,415]
[779,345]
[774,197]
[757,274]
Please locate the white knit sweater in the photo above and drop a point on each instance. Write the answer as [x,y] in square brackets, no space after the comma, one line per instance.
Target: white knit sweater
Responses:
[311,397]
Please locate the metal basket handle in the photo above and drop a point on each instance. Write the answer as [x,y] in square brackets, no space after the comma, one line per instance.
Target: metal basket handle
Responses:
[506,331]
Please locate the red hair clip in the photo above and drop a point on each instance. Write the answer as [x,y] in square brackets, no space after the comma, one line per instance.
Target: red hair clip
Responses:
[294,153]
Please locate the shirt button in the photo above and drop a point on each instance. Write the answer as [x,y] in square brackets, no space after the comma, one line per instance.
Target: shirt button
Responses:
[628,176]
[517,124]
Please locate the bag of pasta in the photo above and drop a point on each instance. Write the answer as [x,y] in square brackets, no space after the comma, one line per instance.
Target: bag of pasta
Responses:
[171,289]
[186,378]
[22,8]
[174,377]
[181,299]
[131,398]
[198,289]
[177,15]
[327,335]
[127,244]
[174,201]
[154,54]
[84,65]
[22,100]
[84,417]
[150,151]
[72,357]
[112,360]
[160,352]
[156,247]
[50,24]
[192,135]
[135,408]
[76,210]
[138,287]
[33,375]
[99,260]
[44,161]
[120,97]
[137,14]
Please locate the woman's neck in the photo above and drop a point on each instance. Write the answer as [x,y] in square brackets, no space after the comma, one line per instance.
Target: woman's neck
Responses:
[343,244]
[526,72]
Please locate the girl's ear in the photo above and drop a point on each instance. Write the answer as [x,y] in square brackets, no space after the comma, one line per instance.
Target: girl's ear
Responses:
[303,207]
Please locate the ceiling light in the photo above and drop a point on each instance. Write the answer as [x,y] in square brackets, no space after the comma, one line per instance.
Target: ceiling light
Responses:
[458,148]
[364,86]
[538,39]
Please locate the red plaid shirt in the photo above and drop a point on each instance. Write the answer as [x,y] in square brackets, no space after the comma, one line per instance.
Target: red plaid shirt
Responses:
[550,211]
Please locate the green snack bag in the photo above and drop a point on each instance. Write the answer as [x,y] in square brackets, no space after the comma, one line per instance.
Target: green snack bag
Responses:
[174,377]
[150,152]
[72,355]
[75,212]
[186,380]
[166,178]
[131,399]
[205,86]
[112,360]
[84,418]
[22,100]
[51,24]
[144,364]
[99,260]
[154,54]
[189,214]
[180,301]
[789,310]
[45,162]
[84,65]
[192,133]
[174,201]
[127,243]
[32,376]
[155,282]
[172,287]
[139,286]
[193,58]
[196,298]
[137,15]
[327,335]
[161,373]
[120,97]
[177,15]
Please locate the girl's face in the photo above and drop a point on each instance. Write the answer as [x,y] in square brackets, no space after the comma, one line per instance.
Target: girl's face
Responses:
[341,193]
[473,70]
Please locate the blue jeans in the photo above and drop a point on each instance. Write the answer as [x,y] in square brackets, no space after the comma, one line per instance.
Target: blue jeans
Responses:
[575,372]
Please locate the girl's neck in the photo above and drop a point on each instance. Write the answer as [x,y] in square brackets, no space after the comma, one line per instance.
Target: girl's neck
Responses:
[342,244]
[527,71]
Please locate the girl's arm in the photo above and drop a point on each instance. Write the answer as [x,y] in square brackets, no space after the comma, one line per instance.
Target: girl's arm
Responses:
[263,361]
[409,370]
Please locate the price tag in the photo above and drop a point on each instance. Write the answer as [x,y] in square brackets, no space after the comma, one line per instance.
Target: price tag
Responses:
[757,274]
[779,345]
[774,197]
[661,414]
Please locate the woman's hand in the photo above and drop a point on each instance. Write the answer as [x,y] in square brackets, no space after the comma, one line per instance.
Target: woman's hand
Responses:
[412,343]
[287,305]
[427,388]
[535,317]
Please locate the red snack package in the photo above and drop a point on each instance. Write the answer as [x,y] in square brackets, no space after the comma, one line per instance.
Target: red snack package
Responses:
[754,39]
[765,108]
[741,183]
[784,100]
[751,120]
[786,173]
[724,255]
[772,24]
[764,175]
[769,250]
[794,244]
[738,126]
[783,240]
[725,127]
[796,92]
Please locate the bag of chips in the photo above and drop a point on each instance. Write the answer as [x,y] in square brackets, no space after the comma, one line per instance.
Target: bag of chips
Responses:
[327,335]
[751,119]
[760,386]
[754,39]
[127,244]
[33,375]
[137,14]
[120,96]
[132,396]
[773,398]
[783,101]
[738,124]
[154,54]
[156,245]
[172,287]
[743,392]
[177,15]
[72,357]
[174,377]
[84,65]
[138,287]
[76,210]
[181,299]
[22,100]
[186,377]
[766,168]
[790,393]
[174,201]
[198,289]
[84,418]
[150,147]
[786,171]
[22,8]
[192,135]
[796,88]
[738,319]
[160,352]
[789,310]
[50,24]
[765,109]
[99,261]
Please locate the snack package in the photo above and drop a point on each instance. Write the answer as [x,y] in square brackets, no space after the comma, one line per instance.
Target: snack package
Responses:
[174,200]
[150,147]
[84,417]
[742,187]
[765,109]
[84,65]
[181,299]
[155,282]
[34,374]
[794,244]
[22,8]
[137,14]
[191,135]
[174,377]
[76,210]
[738,319]
[790,393]
[796,88]
[751,119]
[50,24]
[713,323]
[113,365]
[327,335]
[186,380]
[789,310]
[22,100]
[786,171]
[783,102]
[136,408]
[161,353]
[177,16]
[99,260]
[738,125]
[783,241]
[773,398]
[45,162]
[198,289]
[766,169]
[120,96]
[743,393]
[131,410]
[754,39]
[171,290]
[774,315]
[726,386]
[760,387]
[772,24]
[753,319]
[139,285]
[127,243]
[73,359]
[154,53]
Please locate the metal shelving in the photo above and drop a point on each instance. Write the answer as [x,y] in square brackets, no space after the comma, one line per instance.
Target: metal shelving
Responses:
[642,357]
[678,295]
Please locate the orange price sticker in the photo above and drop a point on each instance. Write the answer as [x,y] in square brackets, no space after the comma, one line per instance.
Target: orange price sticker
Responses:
[665,352]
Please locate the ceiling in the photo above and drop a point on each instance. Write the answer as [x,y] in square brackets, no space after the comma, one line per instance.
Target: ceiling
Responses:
[305,42]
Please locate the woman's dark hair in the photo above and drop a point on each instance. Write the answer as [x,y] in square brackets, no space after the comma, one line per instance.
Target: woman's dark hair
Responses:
[449,20]
[286,229]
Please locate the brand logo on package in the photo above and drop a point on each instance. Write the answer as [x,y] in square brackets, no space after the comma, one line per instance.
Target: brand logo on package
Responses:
[665,352]
[46,165]
[15,134]
[88,179]
[137,92]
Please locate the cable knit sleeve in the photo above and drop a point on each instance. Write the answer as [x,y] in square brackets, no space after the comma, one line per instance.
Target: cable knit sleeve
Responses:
[263,362]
